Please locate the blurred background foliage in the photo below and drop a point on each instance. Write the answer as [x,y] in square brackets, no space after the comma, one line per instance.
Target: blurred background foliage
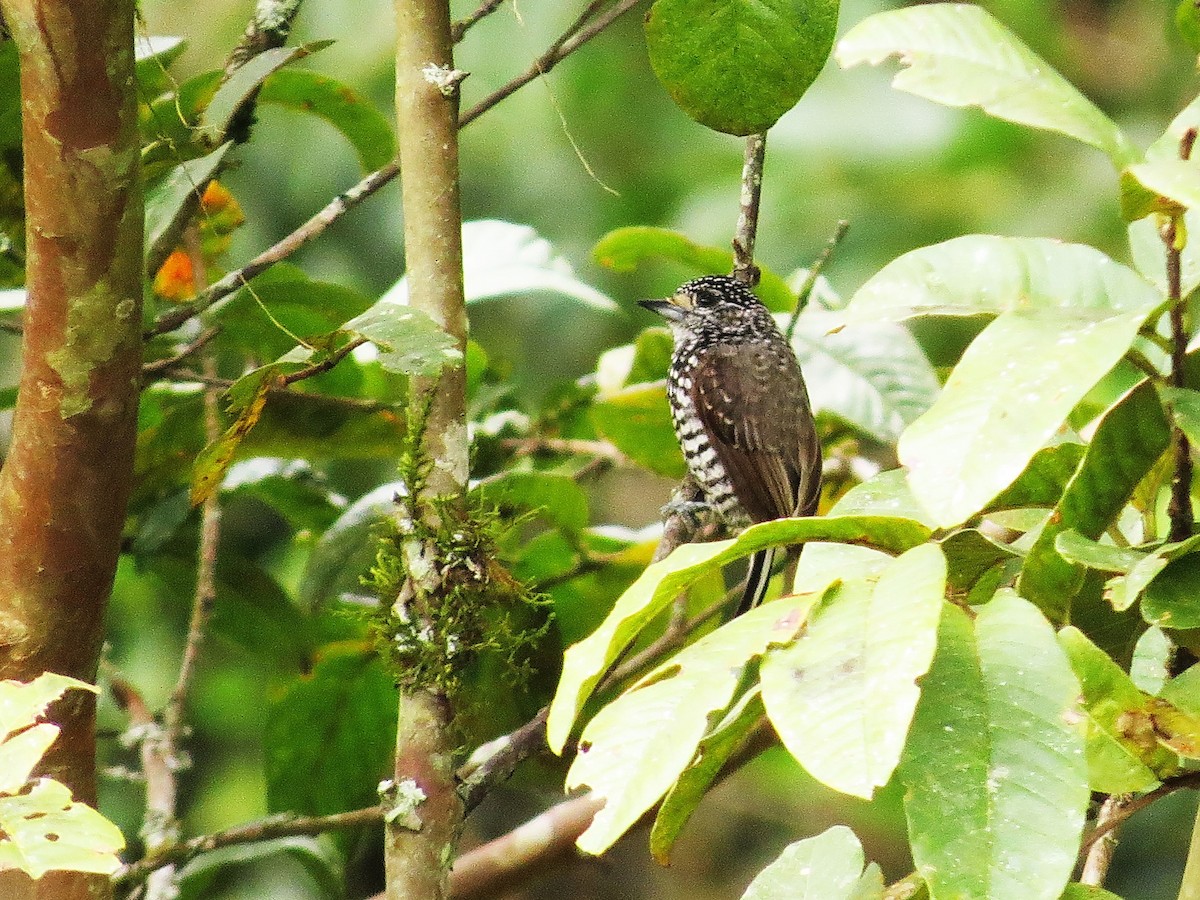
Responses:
[594,146]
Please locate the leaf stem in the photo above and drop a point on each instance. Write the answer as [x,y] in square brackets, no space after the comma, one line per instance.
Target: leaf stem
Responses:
[746,232]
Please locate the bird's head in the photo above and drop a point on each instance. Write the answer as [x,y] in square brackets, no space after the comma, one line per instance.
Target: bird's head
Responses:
[711,303]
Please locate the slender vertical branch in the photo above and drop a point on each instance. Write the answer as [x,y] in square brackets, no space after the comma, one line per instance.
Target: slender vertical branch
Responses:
[744,268]
[420,839]
[814,272]
[1180,508]
[1100,854]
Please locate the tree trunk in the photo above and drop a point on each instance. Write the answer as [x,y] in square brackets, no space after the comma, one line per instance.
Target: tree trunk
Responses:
[66,479]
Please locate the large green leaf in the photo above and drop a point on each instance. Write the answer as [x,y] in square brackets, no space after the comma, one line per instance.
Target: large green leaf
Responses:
[1012,390]
[982,274]
[624,249]
[504,259]
[1125,446]
[738,65]
[407,340]
[994,771]
[1116,765]
[663,581]
[713,752]
[887,494]
[1163,185]
[637,420]
[960,55]
[638,745]
[172,198]
[1172,597]
[873,376]
[842,696]
[329,737]
[243,85]
[826,867]
[44,829]
[365,127]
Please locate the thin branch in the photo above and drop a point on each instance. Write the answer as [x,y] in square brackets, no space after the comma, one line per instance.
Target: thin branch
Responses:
[151,370]
[358,404]
[267,29]
[315,226]
[814,271]
[495,761]
[510,858]
[158,765]
[249,833]
[744,269]
[343,203]
[1179,510]
[1131,805]
[570,446]
[1100,854]
[462,26]
[323,365]
[568,42]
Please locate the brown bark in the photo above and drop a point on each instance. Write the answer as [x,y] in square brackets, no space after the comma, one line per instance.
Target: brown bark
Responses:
[65,482]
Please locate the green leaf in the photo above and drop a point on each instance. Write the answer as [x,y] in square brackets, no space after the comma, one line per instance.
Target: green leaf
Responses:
[365,127]
[842,696]
[637,420]
[826,867]
[1172,598]
[172,199]
[44,829]
[1127,443]
[1082,551]
[154,54]
[345,551]
[1125,590]
[887,494]
[329,737]
[872,376]
[318,856]
[1160,186]
[1012,390]
[662,582]
[1152,655]
[1187,24]
[1184,406]
[1087,891]
[638,745]
[624,249]
[558,497]
[266,317]
[1149,255]
[503,259]
[244,84]
[983,274]
[960,55]
[994,770]
[1183,691]
[408,341]
[1116,764]
[23,703]
[214,460]
[712,754]
[1044,479]
[736,65]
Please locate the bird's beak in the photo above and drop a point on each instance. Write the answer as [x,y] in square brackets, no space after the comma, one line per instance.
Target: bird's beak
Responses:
[671,309]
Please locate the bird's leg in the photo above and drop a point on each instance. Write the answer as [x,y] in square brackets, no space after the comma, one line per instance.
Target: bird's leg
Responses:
[689,503]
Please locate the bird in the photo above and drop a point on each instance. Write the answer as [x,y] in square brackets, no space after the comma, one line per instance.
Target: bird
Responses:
[741,411]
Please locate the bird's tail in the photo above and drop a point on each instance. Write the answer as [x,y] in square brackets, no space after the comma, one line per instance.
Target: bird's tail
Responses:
[757,579]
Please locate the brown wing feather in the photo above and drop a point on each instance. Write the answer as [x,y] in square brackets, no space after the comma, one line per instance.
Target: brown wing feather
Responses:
[753,403]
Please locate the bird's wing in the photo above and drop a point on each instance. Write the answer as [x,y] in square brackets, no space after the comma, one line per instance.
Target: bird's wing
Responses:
[753,403]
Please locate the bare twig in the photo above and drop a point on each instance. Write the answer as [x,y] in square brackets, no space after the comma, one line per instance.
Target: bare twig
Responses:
[567,43]
[343,203]
[249,833]
[1179,509]
[495,761]
[744,269]
[158,765]
[572,446]
[152,370]
[357,404]
[323,365]
[814,271]
[1130,805]
[462,26]
[269,28]
[1100,854]
[510,858]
